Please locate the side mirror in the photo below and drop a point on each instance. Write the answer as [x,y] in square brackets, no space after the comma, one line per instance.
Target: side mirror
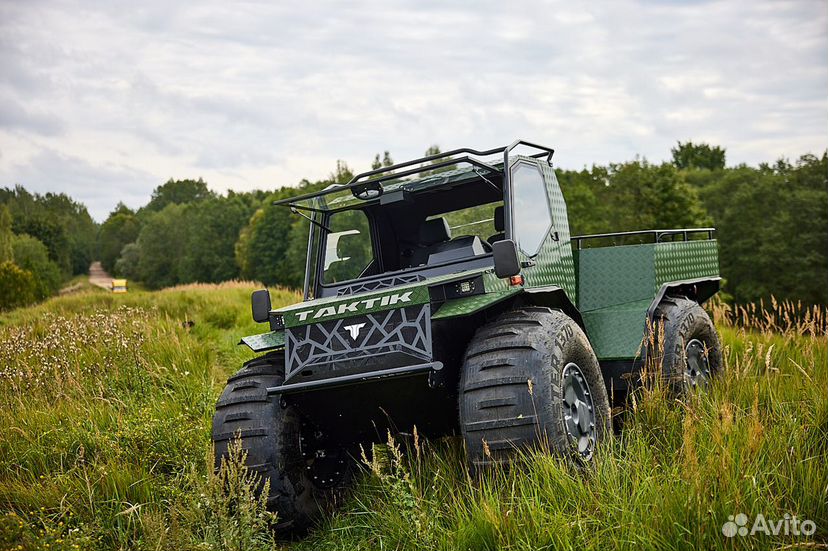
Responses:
[506,261]
[260,301]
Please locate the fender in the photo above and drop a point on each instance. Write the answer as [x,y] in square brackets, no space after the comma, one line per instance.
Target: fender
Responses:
[555,297]
[266,341]
[700,290]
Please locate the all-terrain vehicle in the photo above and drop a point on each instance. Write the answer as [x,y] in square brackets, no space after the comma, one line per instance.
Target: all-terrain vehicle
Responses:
[446,293]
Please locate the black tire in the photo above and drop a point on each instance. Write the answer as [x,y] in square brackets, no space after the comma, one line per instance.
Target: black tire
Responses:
[500,411]
[270,434]
[692,353]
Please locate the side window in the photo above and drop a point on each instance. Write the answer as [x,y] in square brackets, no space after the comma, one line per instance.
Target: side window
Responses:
[530,208]
[478,220]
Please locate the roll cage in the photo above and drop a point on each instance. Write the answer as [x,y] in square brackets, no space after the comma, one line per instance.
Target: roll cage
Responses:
[368,188]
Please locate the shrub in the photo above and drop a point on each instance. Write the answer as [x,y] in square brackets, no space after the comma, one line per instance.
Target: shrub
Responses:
[17,286]
[33,256]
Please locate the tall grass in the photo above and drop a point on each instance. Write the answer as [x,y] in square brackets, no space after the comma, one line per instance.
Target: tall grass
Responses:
[755,443]
[105,407]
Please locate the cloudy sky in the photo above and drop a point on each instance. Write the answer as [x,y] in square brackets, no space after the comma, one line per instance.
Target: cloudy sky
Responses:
[105,100]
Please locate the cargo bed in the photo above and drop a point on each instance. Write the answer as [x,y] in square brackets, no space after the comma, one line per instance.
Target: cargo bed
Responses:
[617,283]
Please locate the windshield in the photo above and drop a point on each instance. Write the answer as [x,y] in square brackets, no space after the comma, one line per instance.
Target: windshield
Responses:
[416,232]
[348,250]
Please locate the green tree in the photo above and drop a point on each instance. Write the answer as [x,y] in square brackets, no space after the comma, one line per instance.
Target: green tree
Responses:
[689,155]
[646,196]
[60,223]
[32,256]
[386,160]
[178,192]
[241,249]
[17,286]
[213,228]
[268,245]
[80,230]
[629,196]
[272,246]
[6,235]
[585,192]
[161,245]
[49,231]
[771,228]
[122,227]
[128,262]
[435,150]
[342,175]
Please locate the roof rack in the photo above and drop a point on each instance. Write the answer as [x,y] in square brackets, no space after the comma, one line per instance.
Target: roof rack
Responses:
[389,172]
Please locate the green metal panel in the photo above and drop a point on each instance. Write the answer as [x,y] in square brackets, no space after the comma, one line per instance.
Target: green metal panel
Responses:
[554,264]
[616,332]
[494,284]
[684,260]
[265,341]
[469,305]
[614,275]
[616,286]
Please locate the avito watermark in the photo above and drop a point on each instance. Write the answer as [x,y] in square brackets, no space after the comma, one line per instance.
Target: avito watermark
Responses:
[789,525]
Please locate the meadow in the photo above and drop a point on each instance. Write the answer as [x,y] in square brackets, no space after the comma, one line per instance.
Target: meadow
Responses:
[106,402]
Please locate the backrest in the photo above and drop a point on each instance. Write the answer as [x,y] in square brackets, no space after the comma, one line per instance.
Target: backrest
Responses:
[434,231]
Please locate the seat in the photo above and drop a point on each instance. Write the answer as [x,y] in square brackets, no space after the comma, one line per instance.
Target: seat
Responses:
[458,248]
[432,233]
[499,225]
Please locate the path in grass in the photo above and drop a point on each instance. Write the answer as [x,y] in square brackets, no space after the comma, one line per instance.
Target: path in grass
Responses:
[98,276]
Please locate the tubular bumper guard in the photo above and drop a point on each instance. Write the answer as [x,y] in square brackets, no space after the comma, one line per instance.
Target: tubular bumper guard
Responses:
[357,378]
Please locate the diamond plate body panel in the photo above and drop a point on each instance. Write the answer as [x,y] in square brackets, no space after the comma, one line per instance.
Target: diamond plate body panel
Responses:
[470,305]
[616,286]
[554,264]
[684,260]
[614,275]
[616,332]
[265,341]
[378,340]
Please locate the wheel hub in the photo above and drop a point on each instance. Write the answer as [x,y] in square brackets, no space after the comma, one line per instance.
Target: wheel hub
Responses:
[579,412]
[697,370]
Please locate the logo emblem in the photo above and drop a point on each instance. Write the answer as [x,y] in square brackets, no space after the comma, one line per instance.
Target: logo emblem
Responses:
[354,329]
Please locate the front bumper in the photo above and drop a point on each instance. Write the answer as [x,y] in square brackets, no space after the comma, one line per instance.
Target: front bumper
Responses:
[356,378]
[359,346]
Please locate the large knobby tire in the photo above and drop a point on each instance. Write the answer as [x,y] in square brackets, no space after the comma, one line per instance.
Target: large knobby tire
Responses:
[692,352]
[531,379]
[270,434]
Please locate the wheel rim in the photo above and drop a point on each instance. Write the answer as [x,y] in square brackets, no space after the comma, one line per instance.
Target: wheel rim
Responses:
[579,412]
[697,370]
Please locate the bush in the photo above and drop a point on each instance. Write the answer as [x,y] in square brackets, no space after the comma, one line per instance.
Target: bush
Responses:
[33,256]
[17,286]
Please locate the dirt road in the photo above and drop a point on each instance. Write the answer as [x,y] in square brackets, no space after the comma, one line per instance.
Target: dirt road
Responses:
[97,276]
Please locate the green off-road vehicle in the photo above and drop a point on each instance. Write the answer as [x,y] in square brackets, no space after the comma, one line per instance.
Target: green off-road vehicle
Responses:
[446,293]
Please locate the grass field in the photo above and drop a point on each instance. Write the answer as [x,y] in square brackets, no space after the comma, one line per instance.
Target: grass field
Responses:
[105,407]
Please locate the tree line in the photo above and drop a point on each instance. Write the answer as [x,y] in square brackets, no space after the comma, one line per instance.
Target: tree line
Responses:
[44,241]
[771,220]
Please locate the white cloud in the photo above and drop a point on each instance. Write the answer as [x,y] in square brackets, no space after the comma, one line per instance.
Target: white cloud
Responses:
[106,100]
